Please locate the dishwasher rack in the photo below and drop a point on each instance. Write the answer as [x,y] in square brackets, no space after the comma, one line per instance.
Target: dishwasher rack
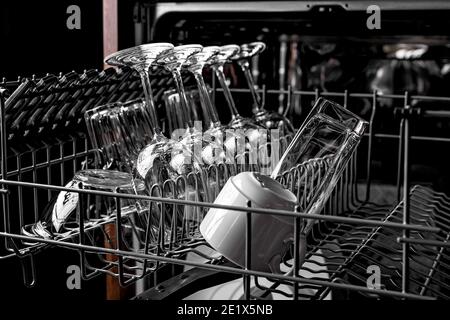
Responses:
[409,241]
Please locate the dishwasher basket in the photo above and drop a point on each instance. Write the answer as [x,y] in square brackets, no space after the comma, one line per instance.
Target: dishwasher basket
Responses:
[406,242]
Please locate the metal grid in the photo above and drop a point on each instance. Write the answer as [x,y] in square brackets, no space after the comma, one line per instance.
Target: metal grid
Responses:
[345,234]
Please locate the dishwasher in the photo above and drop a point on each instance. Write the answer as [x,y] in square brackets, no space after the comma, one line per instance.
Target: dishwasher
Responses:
[365,100]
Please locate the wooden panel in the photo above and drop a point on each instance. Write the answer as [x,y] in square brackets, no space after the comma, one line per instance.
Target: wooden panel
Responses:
[110,45]
[110,27]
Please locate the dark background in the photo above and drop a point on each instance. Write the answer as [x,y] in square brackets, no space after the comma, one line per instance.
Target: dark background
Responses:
[34,37]
[35,40]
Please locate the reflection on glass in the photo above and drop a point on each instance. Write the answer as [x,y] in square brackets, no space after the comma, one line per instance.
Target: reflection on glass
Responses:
[323,145]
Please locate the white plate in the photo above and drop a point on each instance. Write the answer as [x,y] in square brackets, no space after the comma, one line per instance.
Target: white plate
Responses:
[233,290]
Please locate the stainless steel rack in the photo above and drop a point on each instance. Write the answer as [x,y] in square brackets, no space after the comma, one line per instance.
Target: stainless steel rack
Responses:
[408,241]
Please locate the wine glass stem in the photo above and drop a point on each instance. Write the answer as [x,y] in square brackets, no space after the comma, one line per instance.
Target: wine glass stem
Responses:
[226,91]
[251,84]
[151,111]
[208,109]
[183,99]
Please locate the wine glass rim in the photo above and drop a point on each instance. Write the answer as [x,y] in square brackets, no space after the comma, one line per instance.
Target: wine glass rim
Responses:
[188,46]
[227,52]
[211,48]
[255,44]
[230,46]
[249,50]
[196,48]
[202,57]
[163,45]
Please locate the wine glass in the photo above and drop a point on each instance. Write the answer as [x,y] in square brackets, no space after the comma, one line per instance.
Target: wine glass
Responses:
[212,140]
[172,60]
[195,63]
[217,63]
[140,58]
[224,143]
[256,136]
[268,119]
[162,158]
[193,137]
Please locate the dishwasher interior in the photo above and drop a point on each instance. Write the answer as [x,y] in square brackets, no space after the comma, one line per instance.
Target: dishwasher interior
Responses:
[387,214]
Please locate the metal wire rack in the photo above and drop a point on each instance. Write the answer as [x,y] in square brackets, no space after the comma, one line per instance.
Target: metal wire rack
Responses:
[408,241]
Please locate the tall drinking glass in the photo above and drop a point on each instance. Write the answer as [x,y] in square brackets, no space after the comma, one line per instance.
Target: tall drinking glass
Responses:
[329,135]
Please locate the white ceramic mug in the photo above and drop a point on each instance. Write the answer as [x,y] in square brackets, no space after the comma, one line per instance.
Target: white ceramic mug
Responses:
[225,230]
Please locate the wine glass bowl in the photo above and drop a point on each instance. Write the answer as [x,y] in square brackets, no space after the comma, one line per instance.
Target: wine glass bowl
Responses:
[165,159]
[224,54]
[140,57]
[249,50]
[175,57]
[198,60]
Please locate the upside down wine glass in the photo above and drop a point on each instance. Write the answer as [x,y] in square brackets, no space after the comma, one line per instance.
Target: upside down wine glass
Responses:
[217,63]
[172,60]
[213,150]
[162,158]
[193,137]
[140,58]
[222,143]
[255,135]
[268,119]
[195,63]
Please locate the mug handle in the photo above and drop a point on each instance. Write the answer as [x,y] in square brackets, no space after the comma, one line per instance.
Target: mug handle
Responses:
[275,261]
